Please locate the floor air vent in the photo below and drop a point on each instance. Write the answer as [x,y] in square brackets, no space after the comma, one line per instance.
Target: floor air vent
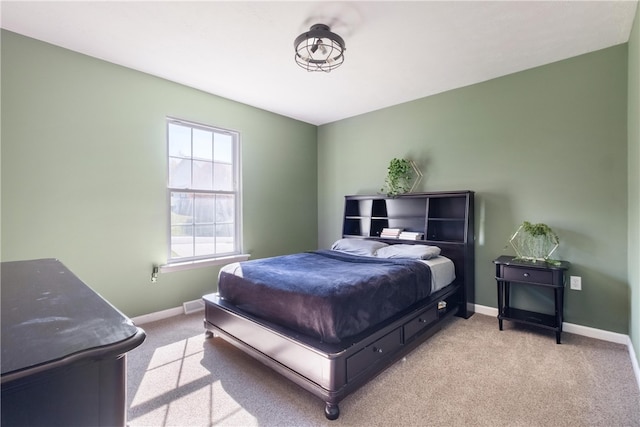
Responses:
[193,306]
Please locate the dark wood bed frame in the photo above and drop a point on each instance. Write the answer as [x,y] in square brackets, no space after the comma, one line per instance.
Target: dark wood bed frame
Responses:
[333,371]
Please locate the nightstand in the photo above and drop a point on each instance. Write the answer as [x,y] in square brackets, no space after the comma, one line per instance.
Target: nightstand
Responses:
[511,271]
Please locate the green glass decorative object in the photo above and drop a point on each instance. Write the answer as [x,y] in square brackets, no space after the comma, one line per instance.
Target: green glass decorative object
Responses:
[534,242]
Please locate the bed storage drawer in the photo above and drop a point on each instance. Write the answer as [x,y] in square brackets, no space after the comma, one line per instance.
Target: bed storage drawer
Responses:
[531,275]
[420,322]
[372,353]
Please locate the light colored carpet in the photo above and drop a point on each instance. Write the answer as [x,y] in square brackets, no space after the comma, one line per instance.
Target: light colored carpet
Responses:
[469,373]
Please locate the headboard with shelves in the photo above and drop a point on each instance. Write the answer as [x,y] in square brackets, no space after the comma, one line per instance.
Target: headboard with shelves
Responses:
[444,219]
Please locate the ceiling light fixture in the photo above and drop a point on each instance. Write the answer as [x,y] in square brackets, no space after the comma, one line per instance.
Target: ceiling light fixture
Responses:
[319,49]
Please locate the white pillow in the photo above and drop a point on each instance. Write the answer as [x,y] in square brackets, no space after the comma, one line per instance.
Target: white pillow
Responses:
[409,251]
[358,246]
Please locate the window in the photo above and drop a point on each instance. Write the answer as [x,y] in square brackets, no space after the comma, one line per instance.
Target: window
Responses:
[204,191]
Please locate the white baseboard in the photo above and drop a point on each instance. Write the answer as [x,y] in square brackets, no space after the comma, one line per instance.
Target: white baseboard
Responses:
[595,333]
[188,307]
[571,328]
[158,315]
[487,311]
[634,361]
[587,332]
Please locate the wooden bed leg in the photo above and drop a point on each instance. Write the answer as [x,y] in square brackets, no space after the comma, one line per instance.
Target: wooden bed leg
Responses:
[331,411]
[208,334]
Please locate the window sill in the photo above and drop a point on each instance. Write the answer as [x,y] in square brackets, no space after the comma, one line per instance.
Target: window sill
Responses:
[210,262]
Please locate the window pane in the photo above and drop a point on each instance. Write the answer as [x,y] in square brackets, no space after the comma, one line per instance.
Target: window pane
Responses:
[225,242]
[225,208]
[181,225]
[179,172]
[223,148]
[182,241]
[205,240]
[202,144]
[202,175]
[179,140]
[181,208]
[204,209]
[223,177]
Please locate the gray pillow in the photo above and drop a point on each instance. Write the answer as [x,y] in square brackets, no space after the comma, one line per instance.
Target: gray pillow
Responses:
[408,251]
[361,247]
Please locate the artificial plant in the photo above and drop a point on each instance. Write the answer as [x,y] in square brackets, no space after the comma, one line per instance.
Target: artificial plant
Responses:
[399,174]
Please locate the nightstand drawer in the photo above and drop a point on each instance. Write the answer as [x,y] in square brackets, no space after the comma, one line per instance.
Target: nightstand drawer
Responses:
[530,275]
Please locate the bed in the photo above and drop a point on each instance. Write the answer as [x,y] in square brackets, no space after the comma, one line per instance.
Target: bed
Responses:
[331,320]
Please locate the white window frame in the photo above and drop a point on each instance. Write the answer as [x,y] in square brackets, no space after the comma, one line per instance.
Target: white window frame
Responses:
[179,263]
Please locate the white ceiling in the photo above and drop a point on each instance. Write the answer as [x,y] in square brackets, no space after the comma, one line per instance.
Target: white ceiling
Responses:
[396,51]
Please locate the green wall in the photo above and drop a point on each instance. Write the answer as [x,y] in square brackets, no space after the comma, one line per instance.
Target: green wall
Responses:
[633,115]
[544,145]
[84,173]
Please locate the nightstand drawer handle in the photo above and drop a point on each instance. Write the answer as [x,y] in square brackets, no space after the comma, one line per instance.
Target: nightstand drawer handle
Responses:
[526,274]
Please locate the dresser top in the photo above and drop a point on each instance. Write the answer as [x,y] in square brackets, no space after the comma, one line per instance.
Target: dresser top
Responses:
[49,315]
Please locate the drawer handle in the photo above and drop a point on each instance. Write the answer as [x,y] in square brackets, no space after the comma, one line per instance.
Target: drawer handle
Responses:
[421,320]
[526,274]
[377,350]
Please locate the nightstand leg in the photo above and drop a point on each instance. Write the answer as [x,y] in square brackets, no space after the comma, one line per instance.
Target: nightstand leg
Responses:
[559,309]
[507,297]
[500,304]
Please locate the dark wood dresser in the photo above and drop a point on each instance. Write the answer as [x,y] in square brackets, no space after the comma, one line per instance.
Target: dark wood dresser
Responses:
[63,349]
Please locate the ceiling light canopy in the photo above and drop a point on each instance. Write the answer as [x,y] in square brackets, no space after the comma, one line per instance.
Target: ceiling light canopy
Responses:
[319,49]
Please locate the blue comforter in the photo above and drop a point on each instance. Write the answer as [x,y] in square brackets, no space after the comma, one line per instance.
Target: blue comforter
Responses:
[327,294]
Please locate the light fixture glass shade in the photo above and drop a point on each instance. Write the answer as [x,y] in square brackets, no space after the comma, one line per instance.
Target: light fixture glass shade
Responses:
[319,49]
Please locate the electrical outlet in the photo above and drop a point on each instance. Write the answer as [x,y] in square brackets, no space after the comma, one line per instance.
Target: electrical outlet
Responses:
[576,283]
